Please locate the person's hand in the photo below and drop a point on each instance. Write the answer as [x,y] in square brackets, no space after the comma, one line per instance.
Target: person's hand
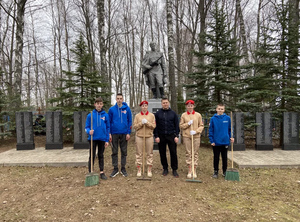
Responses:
[192,132]
[110,138]
[165,80]
[176,139]
[190,122]
[106,144]
[144,121]
[213,144]
[91,132]
[232,140]
[157,140]
[127,137]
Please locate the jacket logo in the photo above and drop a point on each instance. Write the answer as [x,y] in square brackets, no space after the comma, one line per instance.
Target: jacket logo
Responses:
[103,118]
[225,121]
[124,111]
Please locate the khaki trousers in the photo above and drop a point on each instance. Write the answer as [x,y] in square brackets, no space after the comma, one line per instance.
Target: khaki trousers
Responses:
[188,148]
[139,142]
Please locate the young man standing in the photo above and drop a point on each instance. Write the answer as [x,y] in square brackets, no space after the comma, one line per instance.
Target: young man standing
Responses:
[120,128]
[220,138]
[167,133]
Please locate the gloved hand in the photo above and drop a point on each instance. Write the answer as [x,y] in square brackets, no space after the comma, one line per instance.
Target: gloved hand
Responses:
[190,122]
[154,63]
[144,121]
[192,132]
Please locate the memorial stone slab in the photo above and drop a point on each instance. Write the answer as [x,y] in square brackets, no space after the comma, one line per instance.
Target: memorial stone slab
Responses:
[80,136]
[54,139]
[238,132]
[24,129]
[153,106]
[290,131]
[263,131]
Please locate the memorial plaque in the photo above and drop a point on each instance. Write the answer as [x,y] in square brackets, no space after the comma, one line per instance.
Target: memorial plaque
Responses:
[153,106]
[290,131]
[238,132]
[24,129]
[80,136]
[263,131]
[54,139]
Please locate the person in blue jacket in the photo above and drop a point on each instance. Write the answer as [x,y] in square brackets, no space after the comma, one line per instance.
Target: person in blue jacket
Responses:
[100,132]
[220,138]
[120,128]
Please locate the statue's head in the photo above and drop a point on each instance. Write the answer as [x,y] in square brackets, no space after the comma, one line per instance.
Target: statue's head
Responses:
[153,46]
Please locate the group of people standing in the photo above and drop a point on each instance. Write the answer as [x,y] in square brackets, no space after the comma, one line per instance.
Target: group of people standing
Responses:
[115,127]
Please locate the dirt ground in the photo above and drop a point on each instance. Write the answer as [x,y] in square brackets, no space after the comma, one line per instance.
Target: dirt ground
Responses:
[58,194]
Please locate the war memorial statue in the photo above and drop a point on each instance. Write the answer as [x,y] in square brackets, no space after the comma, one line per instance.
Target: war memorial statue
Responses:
[154,69]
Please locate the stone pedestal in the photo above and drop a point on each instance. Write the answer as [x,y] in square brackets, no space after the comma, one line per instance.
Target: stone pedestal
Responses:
[290,131]
[238,132]
[24,129]
[54,138]
[80,136]
[263,131]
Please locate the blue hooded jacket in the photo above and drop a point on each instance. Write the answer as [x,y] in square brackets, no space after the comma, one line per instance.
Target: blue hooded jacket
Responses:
[220,130]
[101,125]
[120,119]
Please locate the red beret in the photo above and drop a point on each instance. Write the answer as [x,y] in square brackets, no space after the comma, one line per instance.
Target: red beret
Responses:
[189,102]
[143,102]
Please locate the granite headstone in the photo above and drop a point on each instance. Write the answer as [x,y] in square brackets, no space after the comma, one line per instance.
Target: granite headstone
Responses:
[80,136]
[24,129]
[54,133]
[263,131]
[290,131]
[238,132]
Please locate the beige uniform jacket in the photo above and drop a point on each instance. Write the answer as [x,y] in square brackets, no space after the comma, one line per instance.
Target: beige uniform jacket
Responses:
[197,124]
[149,126]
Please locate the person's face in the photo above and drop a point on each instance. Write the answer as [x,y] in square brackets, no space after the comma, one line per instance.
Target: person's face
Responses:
[144,108]
[165,104]
[190,107]
[119,100]
[220,110]
[153,46]
[98,106]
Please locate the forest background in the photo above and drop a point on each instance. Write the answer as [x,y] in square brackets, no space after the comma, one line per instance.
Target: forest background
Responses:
[62,54]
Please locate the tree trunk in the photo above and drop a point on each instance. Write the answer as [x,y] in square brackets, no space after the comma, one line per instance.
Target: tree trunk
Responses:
[19,52]
[171,56]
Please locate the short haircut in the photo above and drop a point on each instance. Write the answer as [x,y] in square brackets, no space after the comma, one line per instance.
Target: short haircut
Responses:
[119,94]
[164,98]
[221,104]
[99,100]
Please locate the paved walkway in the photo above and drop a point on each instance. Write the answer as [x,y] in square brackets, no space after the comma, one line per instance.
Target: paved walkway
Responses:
[70,157]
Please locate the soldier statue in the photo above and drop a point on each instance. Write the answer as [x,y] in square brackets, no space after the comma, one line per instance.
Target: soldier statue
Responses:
[154,68]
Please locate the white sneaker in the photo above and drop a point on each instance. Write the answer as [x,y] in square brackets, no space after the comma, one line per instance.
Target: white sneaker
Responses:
[139,172]
[149,171]
[189,175]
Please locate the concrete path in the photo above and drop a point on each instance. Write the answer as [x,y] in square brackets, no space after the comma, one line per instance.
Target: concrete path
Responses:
[75,157]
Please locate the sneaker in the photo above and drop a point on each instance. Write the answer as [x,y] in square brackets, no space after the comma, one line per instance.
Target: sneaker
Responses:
[139,172]
[215,176]
[115,172]
[189,175]
[175,174]
[195,174]
[224,174]
[165,172]
[102,176]
[149,171]
[124,173]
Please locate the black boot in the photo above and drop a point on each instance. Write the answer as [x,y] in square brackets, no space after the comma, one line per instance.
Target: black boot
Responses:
[154,93]
[161,90]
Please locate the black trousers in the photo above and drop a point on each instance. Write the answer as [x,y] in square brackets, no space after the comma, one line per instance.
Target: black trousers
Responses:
[101,148]
[162,146]
[217,151]
[116,140]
